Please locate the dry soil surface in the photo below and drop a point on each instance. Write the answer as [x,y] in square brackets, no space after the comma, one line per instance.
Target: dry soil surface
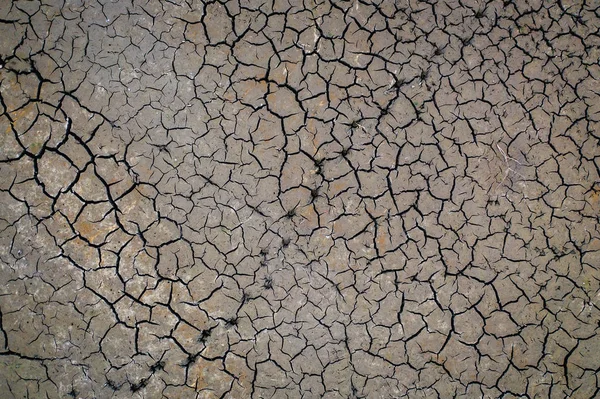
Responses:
[299,199]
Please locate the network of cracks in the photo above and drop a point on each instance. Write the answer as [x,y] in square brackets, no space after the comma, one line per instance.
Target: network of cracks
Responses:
[299,199]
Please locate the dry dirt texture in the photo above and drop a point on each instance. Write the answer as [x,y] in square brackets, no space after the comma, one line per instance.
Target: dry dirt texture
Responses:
[299,199]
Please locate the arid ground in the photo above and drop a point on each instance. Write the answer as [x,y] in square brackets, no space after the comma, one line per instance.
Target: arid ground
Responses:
[299,199]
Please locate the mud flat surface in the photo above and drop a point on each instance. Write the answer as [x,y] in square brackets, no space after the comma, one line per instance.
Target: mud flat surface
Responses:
[337,199]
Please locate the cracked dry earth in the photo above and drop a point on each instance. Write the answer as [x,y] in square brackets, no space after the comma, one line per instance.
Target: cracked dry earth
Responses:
[337,199]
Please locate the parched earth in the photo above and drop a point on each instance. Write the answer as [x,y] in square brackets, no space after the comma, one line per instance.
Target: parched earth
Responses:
[337,199]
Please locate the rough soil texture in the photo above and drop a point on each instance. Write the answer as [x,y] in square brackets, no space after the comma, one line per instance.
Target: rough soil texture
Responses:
[337,199]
